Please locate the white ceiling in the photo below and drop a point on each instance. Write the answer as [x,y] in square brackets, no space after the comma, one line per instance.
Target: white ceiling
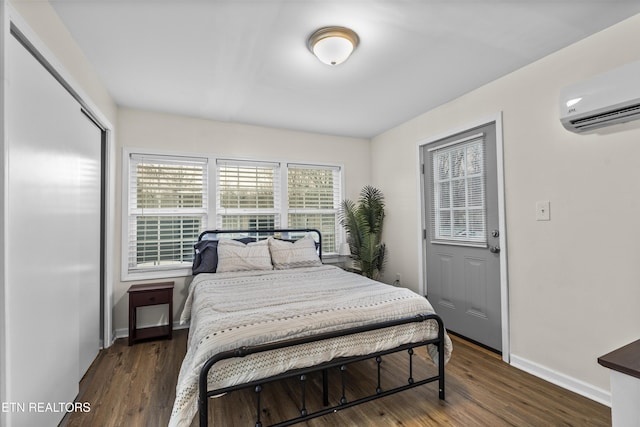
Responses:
[246,61]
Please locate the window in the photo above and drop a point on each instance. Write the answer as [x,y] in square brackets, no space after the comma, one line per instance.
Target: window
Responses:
[458,192]
[167,210]
[172,199]
[314,198]
[248,195]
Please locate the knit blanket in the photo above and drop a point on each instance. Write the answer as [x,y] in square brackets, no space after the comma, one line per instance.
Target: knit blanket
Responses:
[231,310]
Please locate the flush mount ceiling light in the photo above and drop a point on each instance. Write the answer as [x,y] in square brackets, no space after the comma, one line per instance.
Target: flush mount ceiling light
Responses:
[333,45]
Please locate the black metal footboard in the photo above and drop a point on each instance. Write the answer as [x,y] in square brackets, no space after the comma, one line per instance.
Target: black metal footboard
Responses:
[341,363]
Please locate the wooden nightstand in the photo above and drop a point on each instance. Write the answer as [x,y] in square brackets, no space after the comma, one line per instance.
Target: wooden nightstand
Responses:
[146,295]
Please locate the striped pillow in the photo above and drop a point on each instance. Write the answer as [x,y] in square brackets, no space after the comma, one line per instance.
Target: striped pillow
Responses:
[301,253]
[236,256]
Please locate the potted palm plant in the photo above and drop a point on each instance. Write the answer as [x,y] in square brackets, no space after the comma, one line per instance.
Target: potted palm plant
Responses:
[363,223]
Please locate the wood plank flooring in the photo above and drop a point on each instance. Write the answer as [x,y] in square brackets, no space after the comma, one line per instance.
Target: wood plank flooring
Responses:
[135,386]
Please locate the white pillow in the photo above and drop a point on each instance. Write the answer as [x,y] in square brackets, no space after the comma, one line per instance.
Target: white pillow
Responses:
[301,253]
[236,256]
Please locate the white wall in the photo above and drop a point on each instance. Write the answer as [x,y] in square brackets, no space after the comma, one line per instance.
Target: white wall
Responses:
[44,21]
[143,129]
[574,281]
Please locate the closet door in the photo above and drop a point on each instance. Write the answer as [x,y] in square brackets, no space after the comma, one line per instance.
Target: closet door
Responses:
[87,231]
[52,237]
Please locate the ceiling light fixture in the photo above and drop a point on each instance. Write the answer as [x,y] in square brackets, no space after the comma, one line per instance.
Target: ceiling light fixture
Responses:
[333,45]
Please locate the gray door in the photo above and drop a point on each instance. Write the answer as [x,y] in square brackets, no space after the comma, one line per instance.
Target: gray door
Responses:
[462,234]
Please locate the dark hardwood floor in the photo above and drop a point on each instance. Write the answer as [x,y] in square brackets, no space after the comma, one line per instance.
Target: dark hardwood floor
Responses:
[135,386]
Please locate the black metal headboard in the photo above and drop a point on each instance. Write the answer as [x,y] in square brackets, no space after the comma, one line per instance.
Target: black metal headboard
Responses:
[282,233]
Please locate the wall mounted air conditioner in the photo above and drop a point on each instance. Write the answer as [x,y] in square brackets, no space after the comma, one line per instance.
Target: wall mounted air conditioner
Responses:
[603,100]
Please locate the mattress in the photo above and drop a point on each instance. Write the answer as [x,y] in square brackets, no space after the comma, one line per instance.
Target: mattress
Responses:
[231,310]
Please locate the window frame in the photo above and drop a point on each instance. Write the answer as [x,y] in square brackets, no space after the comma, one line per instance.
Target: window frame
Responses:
[212,204]
[436,209]
[276,185]
[337,178]
[128,200]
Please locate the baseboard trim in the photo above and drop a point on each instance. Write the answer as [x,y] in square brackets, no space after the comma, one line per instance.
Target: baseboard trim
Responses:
[577,386]
[124,333]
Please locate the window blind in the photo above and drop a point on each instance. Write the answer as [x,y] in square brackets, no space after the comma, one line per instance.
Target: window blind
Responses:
[247,194]
[458,178]
[168,199]
[313,187]
[314,197]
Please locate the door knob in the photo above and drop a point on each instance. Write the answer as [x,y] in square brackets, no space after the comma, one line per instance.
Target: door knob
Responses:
[494,249]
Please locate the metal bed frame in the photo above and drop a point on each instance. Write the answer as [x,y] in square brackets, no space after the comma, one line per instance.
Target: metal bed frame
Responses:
[341,363]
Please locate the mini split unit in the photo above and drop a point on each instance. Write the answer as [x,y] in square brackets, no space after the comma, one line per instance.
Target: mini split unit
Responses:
[606,99]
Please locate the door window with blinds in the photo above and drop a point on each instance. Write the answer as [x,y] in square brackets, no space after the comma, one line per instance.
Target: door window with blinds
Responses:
[167,210]
[172,199]
[459,207]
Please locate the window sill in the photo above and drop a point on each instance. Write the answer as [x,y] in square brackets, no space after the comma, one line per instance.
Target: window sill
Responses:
[344,262]
[131,276]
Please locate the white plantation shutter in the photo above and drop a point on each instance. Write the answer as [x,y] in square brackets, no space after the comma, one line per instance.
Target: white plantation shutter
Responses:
[459,208]
[314,197]
[247,194]
[167,210]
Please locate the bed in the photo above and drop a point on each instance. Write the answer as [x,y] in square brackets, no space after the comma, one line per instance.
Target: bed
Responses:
[263,308]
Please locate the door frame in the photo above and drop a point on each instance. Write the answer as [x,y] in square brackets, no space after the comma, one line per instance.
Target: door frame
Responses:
[50,62]
[423,205]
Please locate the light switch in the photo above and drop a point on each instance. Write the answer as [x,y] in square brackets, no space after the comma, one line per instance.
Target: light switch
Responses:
[542,211]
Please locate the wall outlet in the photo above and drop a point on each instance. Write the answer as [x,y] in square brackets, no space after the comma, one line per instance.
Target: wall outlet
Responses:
[397,281]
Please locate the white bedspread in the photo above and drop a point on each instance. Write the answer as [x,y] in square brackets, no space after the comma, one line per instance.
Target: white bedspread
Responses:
[230,310]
